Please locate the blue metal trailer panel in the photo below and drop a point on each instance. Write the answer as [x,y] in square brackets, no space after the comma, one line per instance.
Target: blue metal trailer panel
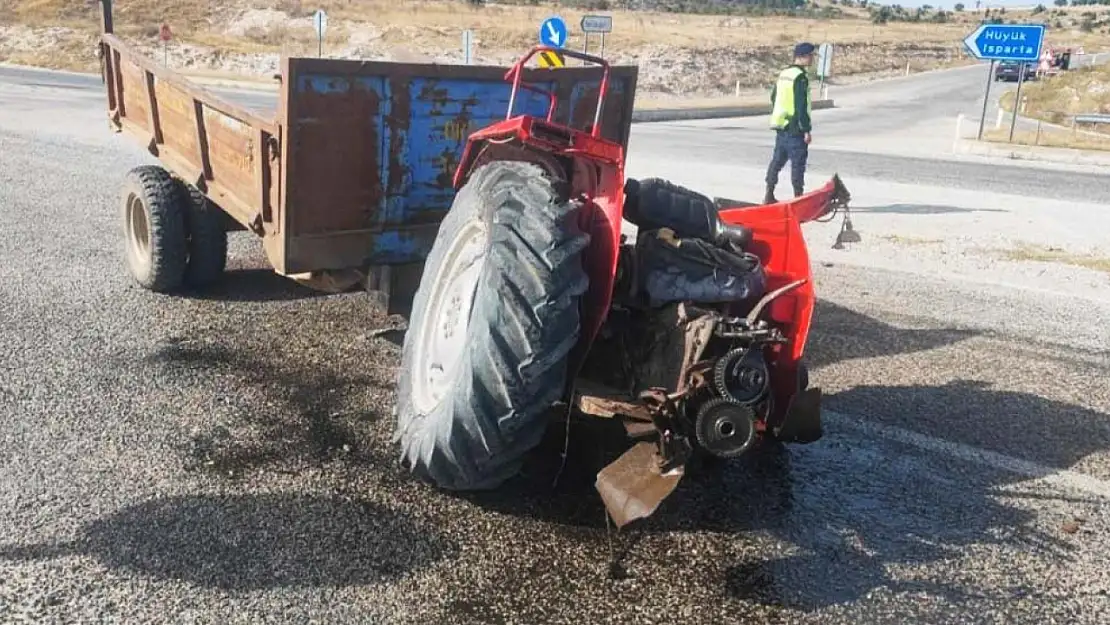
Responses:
[370,149]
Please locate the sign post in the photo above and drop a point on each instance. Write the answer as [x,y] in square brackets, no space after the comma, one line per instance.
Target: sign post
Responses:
[824,64]
[986,98]
[601,24]
[467,39]
[165,35]
[1017,102]
[553,32]
[1005,42]
[320,23]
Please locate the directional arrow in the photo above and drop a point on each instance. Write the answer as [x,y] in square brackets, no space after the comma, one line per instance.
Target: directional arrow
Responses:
[553,32]
[555,38]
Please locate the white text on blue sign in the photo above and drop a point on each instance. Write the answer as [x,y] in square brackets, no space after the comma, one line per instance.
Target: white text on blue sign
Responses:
[993,49]
[1004,36]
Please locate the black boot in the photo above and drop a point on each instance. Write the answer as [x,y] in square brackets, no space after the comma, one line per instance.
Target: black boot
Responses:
[799,191]
[769,197]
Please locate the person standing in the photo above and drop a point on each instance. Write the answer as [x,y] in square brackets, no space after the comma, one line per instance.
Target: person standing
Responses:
[790,119]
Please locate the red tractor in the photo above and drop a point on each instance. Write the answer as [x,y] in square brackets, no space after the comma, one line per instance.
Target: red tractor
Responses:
[531,300]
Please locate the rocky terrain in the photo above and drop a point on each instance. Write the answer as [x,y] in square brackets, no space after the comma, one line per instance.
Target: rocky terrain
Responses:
[679,55]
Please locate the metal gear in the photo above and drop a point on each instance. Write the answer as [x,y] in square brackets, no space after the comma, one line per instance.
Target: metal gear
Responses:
[725,428]
[742,376]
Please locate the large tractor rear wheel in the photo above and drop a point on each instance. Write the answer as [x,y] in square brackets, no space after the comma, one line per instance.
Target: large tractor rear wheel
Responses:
[492,324]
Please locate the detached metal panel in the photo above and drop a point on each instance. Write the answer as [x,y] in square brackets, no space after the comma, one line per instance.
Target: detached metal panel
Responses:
[371,148]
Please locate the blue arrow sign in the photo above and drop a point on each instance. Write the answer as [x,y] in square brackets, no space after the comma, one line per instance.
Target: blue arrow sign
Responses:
[553,32]
[1006,42]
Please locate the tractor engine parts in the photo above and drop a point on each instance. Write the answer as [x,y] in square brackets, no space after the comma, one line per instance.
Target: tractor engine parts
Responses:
[725,428]
[700,368]
[674,269]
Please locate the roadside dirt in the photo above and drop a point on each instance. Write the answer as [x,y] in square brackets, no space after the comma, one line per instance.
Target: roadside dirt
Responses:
[679,56]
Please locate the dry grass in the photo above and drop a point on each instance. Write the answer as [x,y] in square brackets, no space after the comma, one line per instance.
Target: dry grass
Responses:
[499,26]
[1058,98]
[679,55]
[1050,139]
[1028,252]
[904,240]
[506,25]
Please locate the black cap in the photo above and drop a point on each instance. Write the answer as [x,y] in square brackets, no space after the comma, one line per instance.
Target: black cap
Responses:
[804,48]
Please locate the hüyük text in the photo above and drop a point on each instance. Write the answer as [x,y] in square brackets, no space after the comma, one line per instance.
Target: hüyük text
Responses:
[1004,36]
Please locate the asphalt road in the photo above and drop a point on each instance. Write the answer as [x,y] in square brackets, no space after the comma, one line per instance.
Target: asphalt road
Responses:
[899,130]
[226,458]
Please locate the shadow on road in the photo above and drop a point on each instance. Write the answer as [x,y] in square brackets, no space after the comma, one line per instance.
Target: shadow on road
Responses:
[839,334]
[855,510]
[1050,433]
[922,209]
[849,511]
[252,542]
[800,527]
[253,285]
[301,415]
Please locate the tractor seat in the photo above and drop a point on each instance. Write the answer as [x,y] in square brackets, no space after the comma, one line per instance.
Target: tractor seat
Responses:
[655,203]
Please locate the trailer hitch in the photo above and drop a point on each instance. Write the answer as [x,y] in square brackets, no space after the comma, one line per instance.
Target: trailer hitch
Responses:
[847,234]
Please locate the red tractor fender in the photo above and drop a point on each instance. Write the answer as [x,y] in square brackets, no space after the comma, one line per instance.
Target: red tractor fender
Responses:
[778,241]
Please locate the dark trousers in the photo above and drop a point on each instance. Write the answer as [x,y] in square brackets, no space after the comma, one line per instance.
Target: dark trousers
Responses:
[789,147]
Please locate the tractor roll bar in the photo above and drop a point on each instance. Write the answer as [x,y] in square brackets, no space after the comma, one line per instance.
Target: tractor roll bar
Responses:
[515,72]
[552,100]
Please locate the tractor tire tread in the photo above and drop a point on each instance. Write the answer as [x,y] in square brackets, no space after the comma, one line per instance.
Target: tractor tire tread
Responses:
[166,217]
[523,325]
[207,238]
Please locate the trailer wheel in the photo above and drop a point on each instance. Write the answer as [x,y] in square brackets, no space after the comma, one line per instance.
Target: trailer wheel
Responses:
[492,324]
[153,213]
[207,238]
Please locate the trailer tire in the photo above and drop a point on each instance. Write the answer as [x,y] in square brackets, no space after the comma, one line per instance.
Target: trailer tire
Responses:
[471,429]
[207,238]
[153,214]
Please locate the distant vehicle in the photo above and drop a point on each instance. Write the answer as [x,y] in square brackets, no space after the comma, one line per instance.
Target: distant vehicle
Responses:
[1061,59]
[1055,60]
[1011,70]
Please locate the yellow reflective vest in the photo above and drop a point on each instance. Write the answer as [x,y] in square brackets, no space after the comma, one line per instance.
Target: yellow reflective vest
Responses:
[787,89]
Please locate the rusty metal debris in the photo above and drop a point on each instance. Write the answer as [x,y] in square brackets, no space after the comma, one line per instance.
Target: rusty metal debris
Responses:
[597,401]
[633,486]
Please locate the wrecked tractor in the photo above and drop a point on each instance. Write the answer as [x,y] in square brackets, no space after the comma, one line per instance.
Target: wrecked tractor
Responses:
[530,300]
[692,331]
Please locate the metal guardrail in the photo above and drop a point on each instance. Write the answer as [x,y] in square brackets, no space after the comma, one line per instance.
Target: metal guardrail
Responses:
[1089,60]
[1092,118]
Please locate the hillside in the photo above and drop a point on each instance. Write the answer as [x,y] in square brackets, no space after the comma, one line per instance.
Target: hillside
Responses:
[731,44]
[1060,98]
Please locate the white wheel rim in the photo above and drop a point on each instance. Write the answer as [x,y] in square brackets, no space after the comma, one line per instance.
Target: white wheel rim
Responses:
[138,228]
[442,335]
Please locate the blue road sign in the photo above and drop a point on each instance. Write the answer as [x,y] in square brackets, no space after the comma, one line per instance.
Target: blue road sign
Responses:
[1006,42]
[553,32]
